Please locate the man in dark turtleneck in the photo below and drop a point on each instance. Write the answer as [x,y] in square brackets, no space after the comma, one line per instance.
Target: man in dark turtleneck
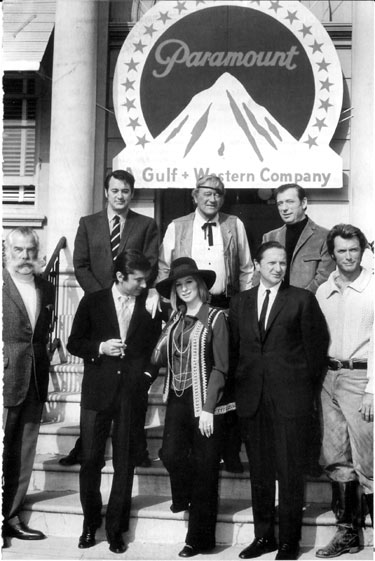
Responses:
[308,261]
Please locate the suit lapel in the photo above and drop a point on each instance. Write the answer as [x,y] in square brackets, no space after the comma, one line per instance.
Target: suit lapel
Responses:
[103,228]
[13,293]
[307,232]
[252,307]
[39,298]
[136,317]
[110,312]
[278,305]
[129,220]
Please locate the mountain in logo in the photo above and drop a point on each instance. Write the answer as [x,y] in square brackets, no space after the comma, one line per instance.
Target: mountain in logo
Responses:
[221,119]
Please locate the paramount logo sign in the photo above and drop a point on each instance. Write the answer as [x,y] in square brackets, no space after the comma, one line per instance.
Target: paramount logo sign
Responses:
[242,104]
[183,55]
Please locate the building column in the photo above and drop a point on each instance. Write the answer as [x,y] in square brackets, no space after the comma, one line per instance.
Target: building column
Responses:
[362,123]
[73,116]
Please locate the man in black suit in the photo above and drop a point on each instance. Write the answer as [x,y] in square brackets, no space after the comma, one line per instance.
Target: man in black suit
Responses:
[115,335]
[100,238]
[28,302]
[279,344]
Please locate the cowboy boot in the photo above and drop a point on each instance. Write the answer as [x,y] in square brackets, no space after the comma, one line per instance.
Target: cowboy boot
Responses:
[370,506]
[345,505]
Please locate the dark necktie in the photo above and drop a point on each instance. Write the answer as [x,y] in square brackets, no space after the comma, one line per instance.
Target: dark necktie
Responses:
[115,236]
[263,313]
[207,228]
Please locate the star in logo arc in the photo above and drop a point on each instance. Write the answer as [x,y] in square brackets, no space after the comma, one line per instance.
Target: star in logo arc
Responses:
[320,123]
[326,84]
[323,65]
[180,7]
[164,17]
[132,65]
[306,30]
[129,104]
[128,84]
[317,47]
[150,30]
[142,141]
[275,5]
[291,17]
[133,123]
[311,141]
[325,104]
[138,47]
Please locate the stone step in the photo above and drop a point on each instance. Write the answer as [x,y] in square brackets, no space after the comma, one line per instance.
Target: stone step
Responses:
[60,437]
[49,475]
[67,377]
[66,406]
[56,547]
[59,513]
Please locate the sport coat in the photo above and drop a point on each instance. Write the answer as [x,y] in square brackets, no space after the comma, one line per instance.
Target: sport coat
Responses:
[25,349]
[92,256]
[311,263]
[96,322]
[290,358]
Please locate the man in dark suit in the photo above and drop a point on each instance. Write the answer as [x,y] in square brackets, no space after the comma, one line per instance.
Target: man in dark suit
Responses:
[94,255]
[279,344]
[115,335]
[100,238]
[28,302]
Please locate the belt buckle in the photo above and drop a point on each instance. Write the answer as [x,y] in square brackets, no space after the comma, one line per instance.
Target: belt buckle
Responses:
[338,364]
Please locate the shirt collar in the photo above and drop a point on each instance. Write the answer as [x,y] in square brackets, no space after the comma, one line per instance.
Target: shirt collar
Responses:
[273,290]
[117,296]
[200,220]
[359,284]
[111,214]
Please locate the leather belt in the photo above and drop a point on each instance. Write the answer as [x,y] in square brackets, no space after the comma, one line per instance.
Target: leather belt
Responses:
[335,364]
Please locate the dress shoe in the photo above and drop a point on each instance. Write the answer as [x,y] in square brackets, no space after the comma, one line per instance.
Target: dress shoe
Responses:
[70,460]
[288,551]
[21,532]
[87,538]
[190,551]
[234,466]
[179,507]
[145,463]
[346,540]
[116,543]
[258,547]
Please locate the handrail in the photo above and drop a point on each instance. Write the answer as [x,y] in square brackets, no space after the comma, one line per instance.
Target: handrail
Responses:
[52,274]
[61,244]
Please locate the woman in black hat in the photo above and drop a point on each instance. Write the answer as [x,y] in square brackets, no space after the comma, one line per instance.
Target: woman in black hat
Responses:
[198,354]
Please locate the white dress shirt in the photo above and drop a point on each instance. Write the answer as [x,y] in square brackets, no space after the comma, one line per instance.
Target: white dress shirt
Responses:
[261,296]
[27,290]
[124,309]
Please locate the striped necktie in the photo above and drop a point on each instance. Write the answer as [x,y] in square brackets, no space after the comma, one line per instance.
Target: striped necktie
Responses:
[115,236]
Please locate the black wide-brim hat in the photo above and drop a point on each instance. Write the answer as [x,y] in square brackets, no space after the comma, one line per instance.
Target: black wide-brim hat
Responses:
[184,267]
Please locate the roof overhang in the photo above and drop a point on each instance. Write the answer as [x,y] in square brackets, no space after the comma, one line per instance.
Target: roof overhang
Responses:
[27,27]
